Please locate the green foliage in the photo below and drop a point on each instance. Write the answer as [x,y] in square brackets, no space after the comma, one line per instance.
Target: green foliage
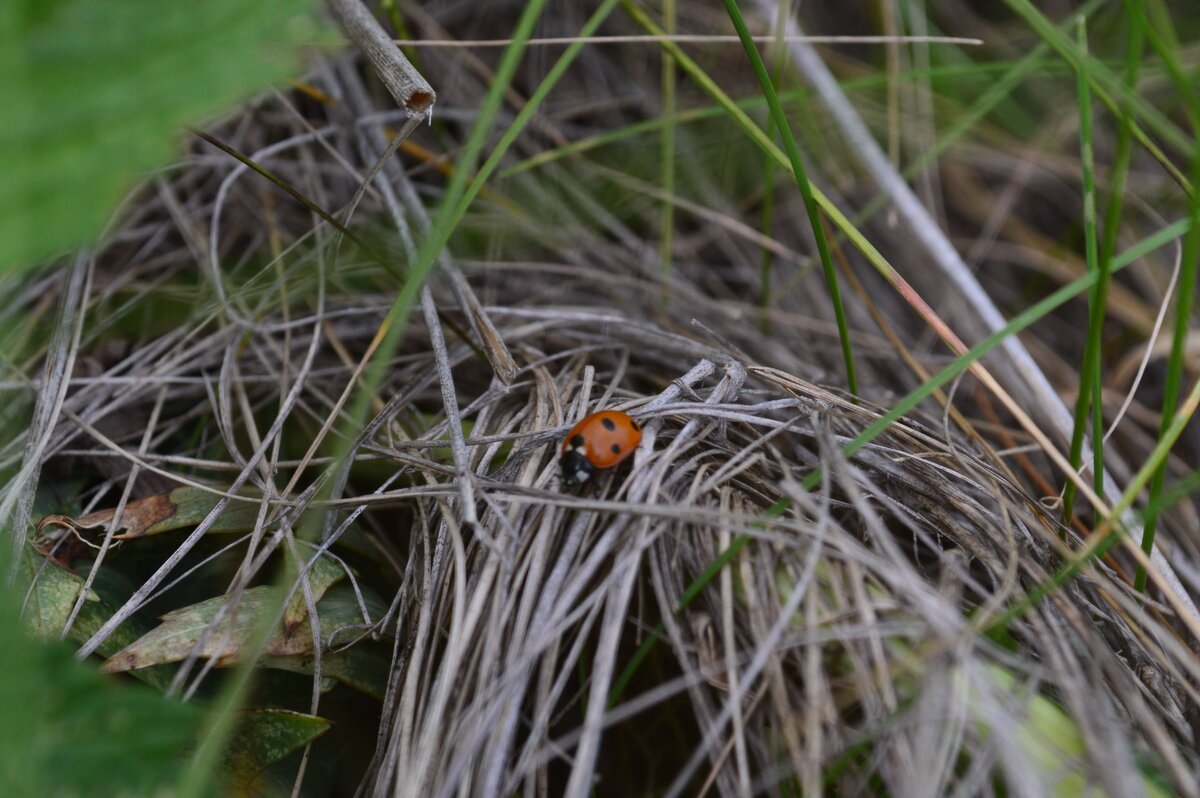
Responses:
[262,738]
[54,593]
[52,598]
[94,90]
[183,629]
[67,730]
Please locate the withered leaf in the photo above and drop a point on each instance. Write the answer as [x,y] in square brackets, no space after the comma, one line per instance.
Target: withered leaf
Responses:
[153,515]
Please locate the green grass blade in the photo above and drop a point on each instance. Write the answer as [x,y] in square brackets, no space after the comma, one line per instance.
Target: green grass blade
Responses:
[766,265]
[806,190]
[666,219]
[1111,531]
[1120,170]
[1103,82]
[1089,371]
[1175,364]
[1185,291]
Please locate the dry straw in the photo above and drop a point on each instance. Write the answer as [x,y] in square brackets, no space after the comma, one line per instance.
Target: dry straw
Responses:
[839,649]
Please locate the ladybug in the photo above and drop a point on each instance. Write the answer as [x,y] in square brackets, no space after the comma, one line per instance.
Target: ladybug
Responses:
[599,441]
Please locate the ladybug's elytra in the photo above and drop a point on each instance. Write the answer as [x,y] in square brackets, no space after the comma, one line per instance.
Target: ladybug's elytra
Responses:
[599,441]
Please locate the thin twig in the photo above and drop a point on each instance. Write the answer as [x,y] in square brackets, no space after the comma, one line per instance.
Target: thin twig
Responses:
[688,38]
[410,90]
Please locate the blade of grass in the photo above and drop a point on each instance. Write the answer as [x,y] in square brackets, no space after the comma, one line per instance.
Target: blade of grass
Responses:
[1089,371]
[1120,169]
[1110,532]
[666,219]
[756,135]
[1185,291]
[1102,81]
[1111,227]
[1099,294]
[806,189]
[997,89]
[765,267]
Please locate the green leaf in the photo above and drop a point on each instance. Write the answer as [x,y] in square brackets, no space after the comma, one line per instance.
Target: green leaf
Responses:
[51,599]
[182,629]
[342,616]
[262,738]
[1050,740]
[49,605]
[323,574]
[66,730]
[364,667]
[96,91]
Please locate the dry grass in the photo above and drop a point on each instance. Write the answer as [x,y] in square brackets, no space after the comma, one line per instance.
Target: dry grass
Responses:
[840,651]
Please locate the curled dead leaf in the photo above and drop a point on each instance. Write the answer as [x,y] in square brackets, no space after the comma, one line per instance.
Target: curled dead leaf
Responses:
[139,516]
[153,515]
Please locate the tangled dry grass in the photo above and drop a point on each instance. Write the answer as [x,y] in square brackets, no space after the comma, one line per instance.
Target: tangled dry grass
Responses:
[841,649]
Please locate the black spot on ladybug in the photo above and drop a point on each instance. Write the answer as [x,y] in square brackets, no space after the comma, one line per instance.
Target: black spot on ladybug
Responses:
[608,424]
[616,448]
[577,441]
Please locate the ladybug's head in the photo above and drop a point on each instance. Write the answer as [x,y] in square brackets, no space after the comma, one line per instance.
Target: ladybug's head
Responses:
[576,469]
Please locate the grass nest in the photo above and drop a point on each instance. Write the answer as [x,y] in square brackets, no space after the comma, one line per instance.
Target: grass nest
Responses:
[761,599]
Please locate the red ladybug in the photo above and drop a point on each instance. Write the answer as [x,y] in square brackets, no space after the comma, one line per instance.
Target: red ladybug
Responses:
[599,441]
